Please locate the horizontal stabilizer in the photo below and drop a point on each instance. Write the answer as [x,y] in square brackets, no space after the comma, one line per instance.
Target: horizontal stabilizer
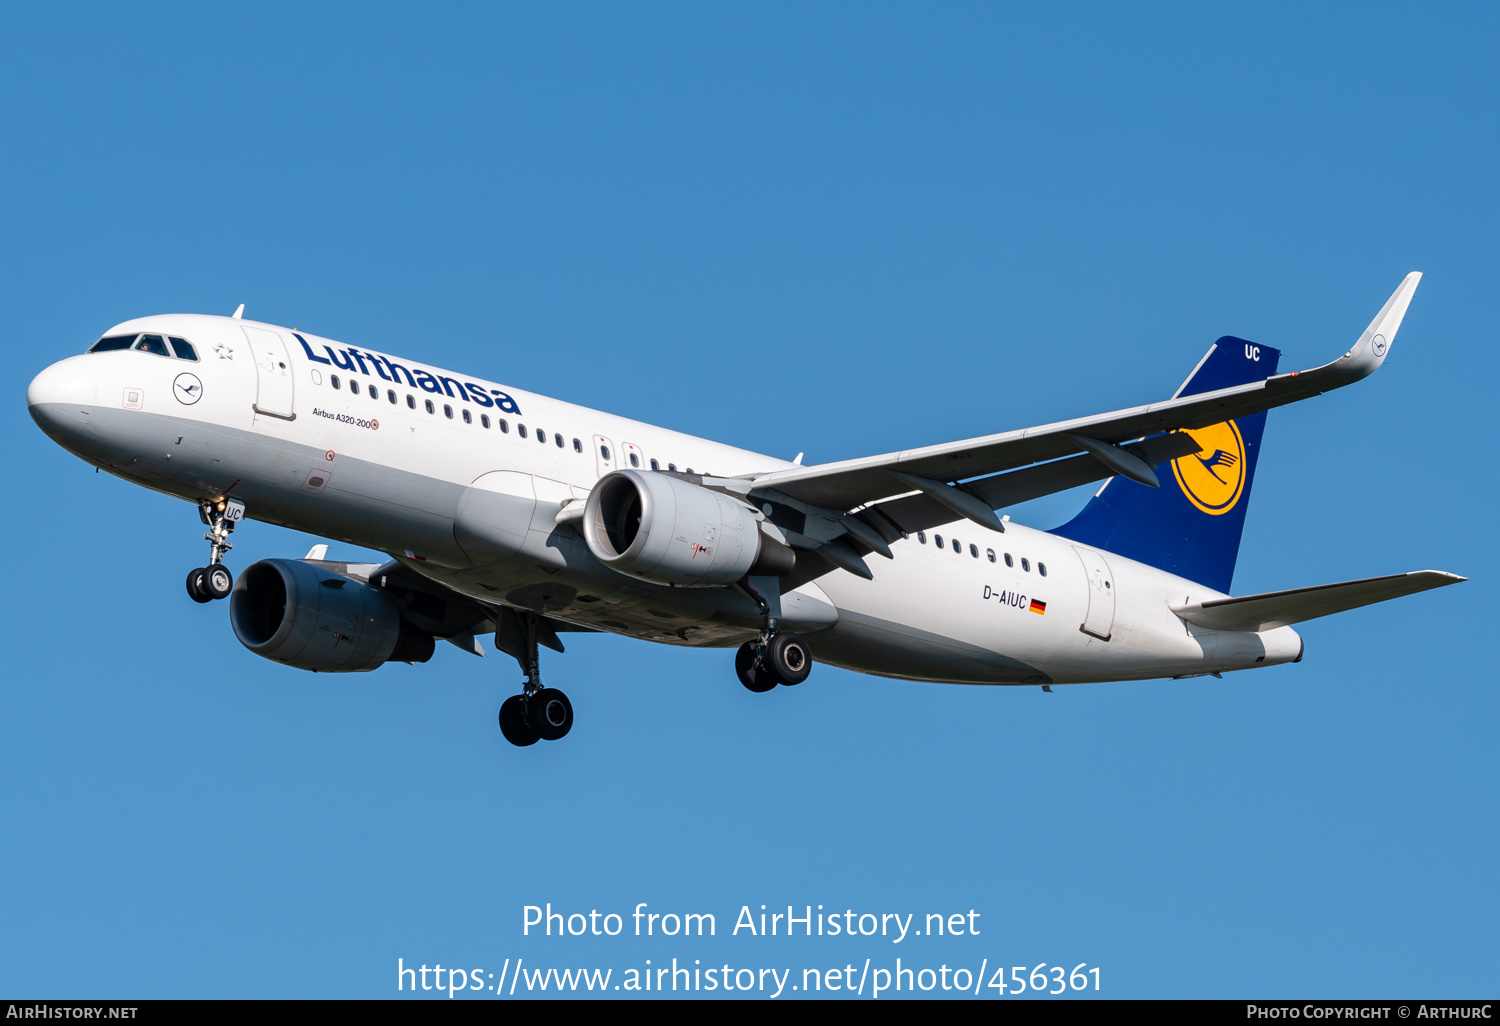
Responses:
[1280,608]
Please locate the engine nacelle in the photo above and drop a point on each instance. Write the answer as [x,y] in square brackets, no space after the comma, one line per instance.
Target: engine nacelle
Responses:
[669,531]
[314,619]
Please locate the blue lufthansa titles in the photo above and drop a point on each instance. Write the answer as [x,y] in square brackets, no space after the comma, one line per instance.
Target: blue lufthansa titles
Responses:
[350,359]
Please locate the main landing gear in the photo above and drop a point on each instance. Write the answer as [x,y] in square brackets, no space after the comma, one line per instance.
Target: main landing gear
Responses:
[207,583]
[538,713]
[776,657]
[766,662]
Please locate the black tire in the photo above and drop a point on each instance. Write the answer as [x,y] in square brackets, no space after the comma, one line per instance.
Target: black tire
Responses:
[550,714]
[217,582]
[789,658]
[755,678]
[195,585]
[513,722]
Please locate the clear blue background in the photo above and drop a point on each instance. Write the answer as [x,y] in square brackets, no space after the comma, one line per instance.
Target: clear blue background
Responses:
[839,229]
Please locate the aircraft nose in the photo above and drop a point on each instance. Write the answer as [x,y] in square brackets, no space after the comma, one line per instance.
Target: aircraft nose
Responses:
[69,382]
[60,397]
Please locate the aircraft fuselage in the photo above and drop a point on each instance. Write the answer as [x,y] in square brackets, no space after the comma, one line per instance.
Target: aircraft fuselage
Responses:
[462,479]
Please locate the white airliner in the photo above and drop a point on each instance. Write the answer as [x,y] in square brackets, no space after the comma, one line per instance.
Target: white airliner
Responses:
[512,514]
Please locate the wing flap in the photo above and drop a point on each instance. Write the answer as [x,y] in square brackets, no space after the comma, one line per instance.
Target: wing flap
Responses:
[1282,608]
[920,512]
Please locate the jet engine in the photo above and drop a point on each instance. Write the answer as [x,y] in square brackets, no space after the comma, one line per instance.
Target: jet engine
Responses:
[669,531]
[302,615]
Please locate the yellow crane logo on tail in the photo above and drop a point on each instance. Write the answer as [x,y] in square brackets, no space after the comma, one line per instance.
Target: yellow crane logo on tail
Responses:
[1213,479]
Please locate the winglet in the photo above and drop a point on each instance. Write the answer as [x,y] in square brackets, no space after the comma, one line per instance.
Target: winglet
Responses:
[1366,355]
[317,552]
[1369,352]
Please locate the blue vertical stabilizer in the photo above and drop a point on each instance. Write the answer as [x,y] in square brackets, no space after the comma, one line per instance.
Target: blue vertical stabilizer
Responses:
[1191,525]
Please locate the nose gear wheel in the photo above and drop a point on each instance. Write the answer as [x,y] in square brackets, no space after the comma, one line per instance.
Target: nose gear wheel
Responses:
[205,584]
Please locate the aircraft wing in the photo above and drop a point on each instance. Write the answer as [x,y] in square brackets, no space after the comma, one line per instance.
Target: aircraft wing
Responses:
[1097,445]
[1281,608]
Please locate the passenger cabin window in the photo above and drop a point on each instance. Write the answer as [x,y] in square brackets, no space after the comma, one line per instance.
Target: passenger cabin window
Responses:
[577,445]
[1041,568]
[504,426]
[183,348]
[922,537]
[521,430]
[153,344]
[974,551]
[430,408]
[1008,561]
[559,440]
[333,379]
[411,402]
[655,465]
[604,451]
[484,419]
[957,547]
[111,343]
[468,419]
[1026,564]
[390,394]
[990,553]
[541,436]
[938,539]
[672,468]
[635,461]
[447,411]
[354,386]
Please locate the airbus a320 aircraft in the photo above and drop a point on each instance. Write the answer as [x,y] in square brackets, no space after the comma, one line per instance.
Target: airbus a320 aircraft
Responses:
[512,514]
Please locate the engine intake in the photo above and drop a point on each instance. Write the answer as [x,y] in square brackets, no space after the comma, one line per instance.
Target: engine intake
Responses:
[668,531]
[314,619]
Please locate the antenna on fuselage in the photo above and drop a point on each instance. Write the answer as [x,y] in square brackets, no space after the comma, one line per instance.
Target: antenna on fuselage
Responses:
[239,312]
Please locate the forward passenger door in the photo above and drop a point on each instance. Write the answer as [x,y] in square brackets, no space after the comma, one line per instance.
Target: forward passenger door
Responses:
[273,369]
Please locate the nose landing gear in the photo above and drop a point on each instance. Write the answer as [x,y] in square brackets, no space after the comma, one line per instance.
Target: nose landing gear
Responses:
[538,713]
[207,583]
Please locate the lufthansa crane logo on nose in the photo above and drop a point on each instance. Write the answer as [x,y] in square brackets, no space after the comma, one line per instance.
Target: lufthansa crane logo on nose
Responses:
[187,388]
[1213,478]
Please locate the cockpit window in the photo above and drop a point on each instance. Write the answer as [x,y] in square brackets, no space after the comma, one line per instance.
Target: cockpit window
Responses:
[183,348]
[110,342]
[152,344]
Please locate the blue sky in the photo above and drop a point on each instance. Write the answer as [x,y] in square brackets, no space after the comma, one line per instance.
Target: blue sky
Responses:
[842,230]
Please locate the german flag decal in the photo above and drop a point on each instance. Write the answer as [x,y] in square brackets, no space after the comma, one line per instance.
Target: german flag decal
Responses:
[1039,607]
